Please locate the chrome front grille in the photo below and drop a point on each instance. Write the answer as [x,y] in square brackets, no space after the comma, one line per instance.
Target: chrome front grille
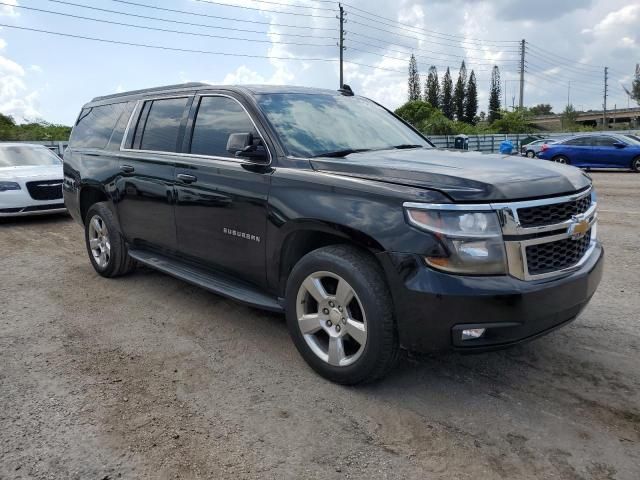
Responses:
[540,236]
[45,189]
[553,213]
[553,256]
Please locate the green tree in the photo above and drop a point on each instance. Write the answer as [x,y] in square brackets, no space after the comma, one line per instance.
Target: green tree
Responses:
[415,112]
[494,95]
[414,79]
[569,117]
[471,100]
[446,102]
[513,122]
[34,130]
[634,91]
[542,109]
[459,93]
[432,88]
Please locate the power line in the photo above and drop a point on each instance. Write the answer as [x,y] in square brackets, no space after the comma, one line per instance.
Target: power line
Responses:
[561,77]
[460,46]
[254,8]
[181,22]
[287,4]
[570,67]
[358,34]
[182,32]
[161,47]
[420,30]
[547,52]
[405,59]
[550,80]
[411,50]
[172,10]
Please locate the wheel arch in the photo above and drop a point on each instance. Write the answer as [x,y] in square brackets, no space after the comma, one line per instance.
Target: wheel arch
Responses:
[303,237]
[89,195]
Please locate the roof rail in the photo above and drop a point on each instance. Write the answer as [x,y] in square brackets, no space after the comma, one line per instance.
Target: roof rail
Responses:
[151,90]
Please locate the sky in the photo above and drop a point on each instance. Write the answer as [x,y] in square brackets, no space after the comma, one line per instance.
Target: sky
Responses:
[293,42]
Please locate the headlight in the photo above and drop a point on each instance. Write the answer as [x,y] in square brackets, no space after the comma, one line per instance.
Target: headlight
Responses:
[472,239]
[4,186]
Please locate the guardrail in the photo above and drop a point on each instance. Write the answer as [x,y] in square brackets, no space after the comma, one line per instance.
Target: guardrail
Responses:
[491,143]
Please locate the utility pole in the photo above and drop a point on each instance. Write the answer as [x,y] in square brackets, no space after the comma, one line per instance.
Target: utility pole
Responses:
[569,94]
[522,50]
[341,44]
[505,95]
[606,92]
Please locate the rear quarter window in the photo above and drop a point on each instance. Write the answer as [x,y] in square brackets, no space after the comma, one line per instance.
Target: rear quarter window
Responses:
[95,126]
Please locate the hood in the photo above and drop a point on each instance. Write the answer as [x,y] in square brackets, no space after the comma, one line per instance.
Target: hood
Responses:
[463,176]
[29,172]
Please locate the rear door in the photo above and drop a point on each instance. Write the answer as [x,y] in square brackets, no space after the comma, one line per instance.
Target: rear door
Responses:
[145,186]
[579,150]
[221,209]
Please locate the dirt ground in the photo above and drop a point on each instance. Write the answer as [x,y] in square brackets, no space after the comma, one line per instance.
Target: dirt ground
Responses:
[149,377]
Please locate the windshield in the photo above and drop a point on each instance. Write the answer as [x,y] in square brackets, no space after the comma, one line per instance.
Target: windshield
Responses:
[315,124]
[25,155]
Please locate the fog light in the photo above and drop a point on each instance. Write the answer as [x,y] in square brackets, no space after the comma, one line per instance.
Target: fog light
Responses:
[472,333]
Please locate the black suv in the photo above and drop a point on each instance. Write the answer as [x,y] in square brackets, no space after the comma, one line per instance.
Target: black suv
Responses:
[327,207]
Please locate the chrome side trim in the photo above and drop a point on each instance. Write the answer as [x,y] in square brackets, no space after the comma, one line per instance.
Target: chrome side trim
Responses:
[483,207]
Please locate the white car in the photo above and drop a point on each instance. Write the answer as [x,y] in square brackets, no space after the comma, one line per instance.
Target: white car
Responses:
[30,180]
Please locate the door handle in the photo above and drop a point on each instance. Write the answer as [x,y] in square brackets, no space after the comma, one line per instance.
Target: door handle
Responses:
[187,178]
[127,168]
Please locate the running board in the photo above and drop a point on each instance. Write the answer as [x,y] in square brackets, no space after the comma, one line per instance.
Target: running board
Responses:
[216,283]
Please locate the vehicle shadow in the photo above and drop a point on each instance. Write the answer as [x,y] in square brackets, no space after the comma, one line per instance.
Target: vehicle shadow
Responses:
[35,219]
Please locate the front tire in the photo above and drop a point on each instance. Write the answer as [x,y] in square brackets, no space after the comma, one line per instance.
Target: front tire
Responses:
[105,245]
[340,315]
[531,154]
[561,159]
[635,165]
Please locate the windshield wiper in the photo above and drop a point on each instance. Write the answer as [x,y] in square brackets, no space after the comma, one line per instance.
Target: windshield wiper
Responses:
[342,153]
[407,145]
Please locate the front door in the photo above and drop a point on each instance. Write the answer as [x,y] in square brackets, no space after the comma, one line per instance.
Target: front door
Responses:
[145,185]
[221,209]
[606,154]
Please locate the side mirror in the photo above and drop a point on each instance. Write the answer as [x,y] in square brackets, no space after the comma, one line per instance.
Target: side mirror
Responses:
[244,145]
[619,145]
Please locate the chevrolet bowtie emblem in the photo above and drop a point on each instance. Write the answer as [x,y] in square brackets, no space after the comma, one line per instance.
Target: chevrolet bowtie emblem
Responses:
[578,228]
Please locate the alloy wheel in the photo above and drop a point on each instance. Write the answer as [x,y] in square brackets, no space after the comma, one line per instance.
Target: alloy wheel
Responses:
[331,318]
[99,241]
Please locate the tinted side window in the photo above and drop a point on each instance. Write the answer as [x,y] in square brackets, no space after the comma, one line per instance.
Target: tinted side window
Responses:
[582,141]
[217,118]
[605,141]
[95,125]
[161,126]
[118,132]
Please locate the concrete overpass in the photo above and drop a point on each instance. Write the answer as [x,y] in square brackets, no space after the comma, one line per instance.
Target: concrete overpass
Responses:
[618,118]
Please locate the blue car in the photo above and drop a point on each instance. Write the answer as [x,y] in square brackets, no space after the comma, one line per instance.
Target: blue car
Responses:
[595,151]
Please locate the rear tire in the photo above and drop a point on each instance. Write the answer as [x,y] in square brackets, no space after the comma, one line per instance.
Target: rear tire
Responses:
[635,165]
[105,245]
[531,154]
[340,315]
[561,159]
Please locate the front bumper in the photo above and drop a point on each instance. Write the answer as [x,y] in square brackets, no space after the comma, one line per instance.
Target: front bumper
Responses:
[19,203]
[432,308]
